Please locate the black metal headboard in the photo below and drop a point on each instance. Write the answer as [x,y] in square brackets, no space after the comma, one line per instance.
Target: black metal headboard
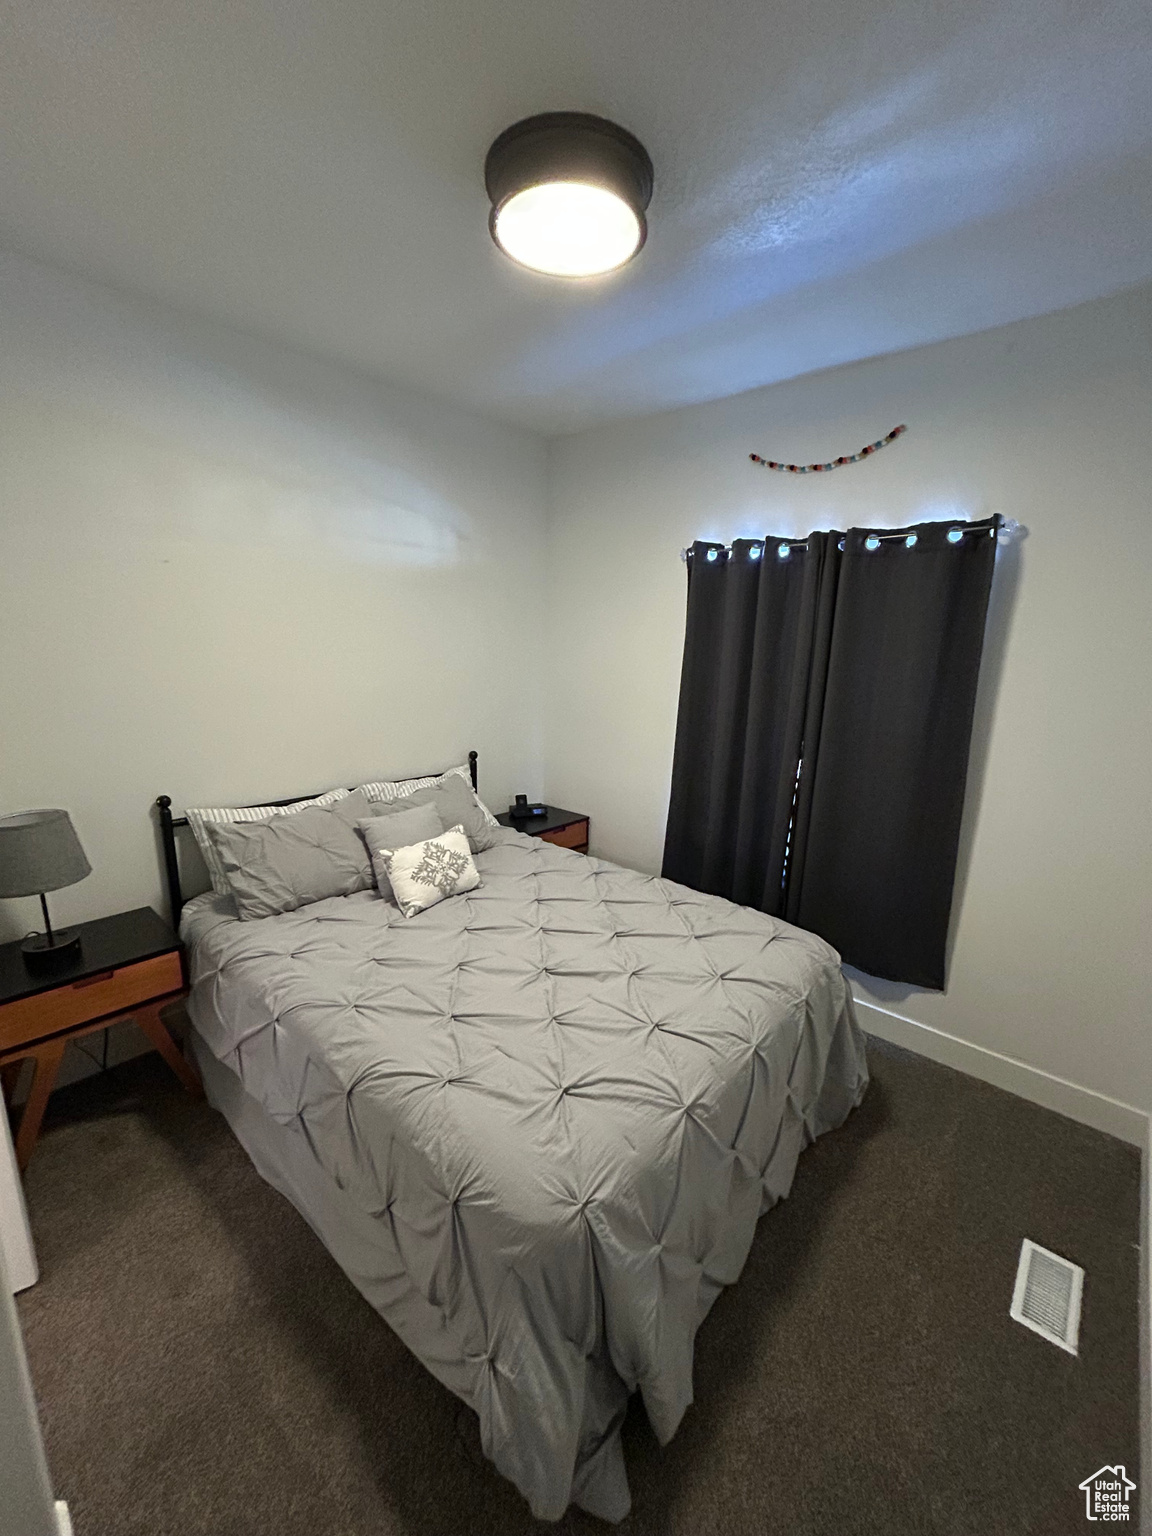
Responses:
[170,824]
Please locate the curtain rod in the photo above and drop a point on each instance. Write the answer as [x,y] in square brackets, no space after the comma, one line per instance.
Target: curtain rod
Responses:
[1009,530]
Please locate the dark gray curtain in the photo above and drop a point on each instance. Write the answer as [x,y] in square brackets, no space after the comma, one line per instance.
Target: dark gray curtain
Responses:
[822,739]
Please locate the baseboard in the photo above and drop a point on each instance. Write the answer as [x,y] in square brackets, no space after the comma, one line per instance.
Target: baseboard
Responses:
[1044,1088]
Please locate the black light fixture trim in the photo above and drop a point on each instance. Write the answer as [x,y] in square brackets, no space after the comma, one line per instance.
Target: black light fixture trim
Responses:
[569,146]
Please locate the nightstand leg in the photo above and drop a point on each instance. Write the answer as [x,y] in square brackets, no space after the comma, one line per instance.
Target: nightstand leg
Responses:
[9,1077]
[153,1026]
[47,1059]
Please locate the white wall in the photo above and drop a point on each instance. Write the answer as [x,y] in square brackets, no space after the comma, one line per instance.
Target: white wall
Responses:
[1046,421]
[230,571]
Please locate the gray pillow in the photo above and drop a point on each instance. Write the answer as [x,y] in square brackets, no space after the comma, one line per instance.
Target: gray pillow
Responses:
[455,805]
[384,834]
[276,866]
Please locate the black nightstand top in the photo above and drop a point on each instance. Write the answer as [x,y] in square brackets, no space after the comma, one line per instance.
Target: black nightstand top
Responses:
[106,944]
[551,821]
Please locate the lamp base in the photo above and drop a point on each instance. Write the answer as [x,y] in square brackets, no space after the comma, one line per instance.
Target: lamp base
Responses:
[40,955]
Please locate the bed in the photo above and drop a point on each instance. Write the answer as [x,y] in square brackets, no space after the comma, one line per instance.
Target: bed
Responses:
[535,1125]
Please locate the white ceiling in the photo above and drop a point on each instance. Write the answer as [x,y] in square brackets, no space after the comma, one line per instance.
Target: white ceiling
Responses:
[833,180]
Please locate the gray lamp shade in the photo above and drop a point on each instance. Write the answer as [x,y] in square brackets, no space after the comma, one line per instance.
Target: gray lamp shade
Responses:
[39,851]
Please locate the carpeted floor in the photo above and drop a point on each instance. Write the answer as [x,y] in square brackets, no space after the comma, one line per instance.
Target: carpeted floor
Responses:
[204,1369]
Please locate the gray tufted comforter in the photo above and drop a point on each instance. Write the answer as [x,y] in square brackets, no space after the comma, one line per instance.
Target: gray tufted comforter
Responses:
[559,1103]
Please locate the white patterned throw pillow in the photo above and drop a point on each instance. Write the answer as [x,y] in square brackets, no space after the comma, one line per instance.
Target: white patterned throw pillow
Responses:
[423,874]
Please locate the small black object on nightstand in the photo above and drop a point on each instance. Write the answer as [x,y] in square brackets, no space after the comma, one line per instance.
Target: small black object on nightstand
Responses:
[522,811]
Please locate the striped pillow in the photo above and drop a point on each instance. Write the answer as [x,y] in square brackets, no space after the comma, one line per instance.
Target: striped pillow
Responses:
[197,819]
[395,789]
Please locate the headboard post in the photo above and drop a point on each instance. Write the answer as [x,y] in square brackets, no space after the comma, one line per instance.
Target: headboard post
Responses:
[171,867]
[472,767]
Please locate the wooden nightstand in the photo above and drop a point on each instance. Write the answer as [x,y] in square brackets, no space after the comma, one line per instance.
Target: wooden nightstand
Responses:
[128,967]
[567,829]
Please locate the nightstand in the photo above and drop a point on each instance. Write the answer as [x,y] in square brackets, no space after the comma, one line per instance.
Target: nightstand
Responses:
[567,829]
[129,966]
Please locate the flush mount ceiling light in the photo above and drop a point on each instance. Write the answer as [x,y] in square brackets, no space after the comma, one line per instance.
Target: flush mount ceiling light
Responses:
[568,193]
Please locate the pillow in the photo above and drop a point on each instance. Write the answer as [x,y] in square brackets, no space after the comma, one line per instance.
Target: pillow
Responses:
[288,861]
[454,803]
[399,789]
[427,872]
[399,830]
[198,820]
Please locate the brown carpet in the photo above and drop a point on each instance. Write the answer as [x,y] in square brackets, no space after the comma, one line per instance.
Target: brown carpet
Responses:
[204,1369]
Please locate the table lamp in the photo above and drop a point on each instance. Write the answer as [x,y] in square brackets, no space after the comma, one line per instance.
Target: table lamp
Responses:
[39,852]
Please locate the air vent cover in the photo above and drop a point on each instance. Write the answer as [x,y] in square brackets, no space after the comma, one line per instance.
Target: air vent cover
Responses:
[1047,1296]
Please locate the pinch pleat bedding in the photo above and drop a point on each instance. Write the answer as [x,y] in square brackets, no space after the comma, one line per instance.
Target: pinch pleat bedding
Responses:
[536,1125]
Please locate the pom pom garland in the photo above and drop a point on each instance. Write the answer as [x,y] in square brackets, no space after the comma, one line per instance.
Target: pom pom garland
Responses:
[815,469]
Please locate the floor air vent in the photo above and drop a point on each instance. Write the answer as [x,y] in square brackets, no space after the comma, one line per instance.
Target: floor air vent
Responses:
[1047,1296]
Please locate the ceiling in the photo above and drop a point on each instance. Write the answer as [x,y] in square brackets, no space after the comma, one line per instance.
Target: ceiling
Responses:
[833,180]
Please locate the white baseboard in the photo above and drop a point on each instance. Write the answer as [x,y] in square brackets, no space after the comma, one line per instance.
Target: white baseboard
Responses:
[63,1518]
[1044,1088]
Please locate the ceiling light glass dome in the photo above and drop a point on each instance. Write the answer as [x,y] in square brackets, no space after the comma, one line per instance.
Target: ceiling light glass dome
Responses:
[569,193]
